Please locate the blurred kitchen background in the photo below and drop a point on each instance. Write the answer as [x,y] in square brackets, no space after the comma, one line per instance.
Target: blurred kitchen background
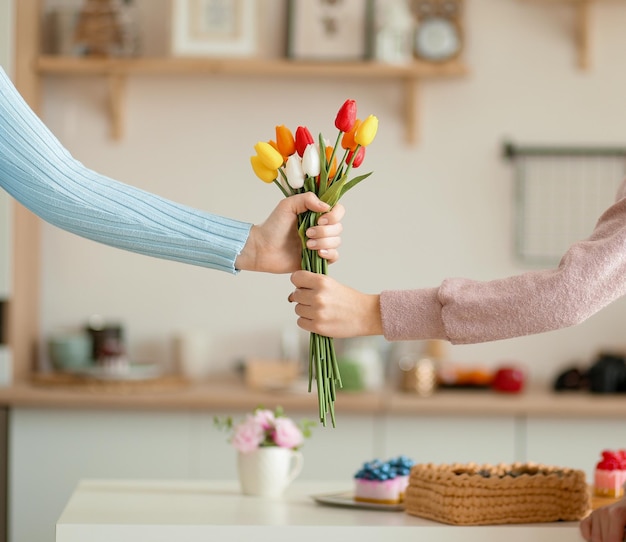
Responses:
[441,207]
[447,202]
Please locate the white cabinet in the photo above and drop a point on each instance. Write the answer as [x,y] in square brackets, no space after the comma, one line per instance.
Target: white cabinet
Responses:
[5,245]
[452,439]
[51,450]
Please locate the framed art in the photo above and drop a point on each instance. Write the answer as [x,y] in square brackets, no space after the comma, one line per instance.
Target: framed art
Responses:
[214,27]
[329,29]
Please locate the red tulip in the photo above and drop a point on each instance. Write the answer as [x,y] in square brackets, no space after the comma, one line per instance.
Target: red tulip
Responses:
[346,116]
[303,139]
[358,159]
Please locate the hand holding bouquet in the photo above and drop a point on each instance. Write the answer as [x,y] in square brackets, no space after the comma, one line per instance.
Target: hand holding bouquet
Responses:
[299,164]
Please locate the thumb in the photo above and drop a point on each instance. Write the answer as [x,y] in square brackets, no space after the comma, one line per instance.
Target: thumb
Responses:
[307,201]
[303,279]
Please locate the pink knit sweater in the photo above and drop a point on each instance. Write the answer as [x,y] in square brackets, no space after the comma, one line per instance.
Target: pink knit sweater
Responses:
[591,274]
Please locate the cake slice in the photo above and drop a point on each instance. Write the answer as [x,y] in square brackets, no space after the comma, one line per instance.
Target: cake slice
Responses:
[382,482]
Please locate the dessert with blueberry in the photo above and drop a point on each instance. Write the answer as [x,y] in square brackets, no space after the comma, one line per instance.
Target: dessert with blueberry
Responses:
[383,482]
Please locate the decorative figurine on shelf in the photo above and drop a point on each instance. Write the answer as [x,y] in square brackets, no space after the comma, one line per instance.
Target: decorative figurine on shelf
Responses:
[105,28]
[394,33]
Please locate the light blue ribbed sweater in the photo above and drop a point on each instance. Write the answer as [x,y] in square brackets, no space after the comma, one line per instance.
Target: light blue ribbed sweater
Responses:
[42,175]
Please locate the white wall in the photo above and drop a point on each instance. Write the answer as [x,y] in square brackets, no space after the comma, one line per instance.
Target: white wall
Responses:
[439,209]
[6,35]
[6,61]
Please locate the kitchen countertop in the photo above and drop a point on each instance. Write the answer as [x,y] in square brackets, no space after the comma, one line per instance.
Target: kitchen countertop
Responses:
[228,393]
[195,510]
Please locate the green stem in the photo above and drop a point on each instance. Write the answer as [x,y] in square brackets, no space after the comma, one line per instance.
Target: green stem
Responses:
[322,358]
[282,189]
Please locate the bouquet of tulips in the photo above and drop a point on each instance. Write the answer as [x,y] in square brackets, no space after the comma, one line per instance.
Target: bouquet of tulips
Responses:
[300,164]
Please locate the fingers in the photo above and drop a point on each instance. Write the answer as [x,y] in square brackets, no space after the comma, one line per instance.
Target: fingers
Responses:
[605,524]
[308,291]
[616,523]
[332,231]
[292,296]
[326,236]
[585,528]
[334,216]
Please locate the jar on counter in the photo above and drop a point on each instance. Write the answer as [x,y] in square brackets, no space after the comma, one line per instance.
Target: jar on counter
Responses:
[365,357]
[419,372]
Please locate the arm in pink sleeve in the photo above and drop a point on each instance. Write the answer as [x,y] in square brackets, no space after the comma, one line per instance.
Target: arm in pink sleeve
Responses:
[590,275]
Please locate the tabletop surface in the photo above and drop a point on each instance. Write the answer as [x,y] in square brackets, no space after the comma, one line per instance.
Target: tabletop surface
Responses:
[192,510]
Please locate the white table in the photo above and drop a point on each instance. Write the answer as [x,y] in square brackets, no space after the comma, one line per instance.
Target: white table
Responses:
[194,511]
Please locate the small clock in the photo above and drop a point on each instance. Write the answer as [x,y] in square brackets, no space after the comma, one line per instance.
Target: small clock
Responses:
[438,35]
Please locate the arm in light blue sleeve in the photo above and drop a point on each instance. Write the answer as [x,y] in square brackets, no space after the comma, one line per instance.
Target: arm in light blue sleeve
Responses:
[42,175]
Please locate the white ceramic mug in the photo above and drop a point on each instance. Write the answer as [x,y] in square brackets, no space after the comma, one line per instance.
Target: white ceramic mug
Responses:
[266,472]
[192,352]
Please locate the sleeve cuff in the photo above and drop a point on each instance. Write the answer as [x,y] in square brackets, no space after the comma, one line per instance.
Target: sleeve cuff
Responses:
[411,315]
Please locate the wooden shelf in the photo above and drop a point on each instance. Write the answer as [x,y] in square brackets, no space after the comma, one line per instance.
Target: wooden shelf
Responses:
[228,392]
[117,70]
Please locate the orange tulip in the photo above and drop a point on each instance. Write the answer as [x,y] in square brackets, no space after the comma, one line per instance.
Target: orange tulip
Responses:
[332,169]
[347,141]
[286,144]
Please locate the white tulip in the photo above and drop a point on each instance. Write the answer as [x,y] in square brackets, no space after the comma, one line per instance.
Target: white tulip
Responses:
[311,161]
[294,172]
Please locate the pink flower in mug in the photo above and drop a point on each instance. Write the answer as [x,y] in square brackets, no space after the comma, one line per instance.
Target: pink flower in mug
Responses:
[265,418]
[287,434]
[248,435]
[265,428]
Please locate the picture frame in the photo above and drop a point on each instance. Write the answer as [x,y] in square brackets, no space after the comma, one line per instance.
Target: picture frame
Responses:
[329,30]
[214,28]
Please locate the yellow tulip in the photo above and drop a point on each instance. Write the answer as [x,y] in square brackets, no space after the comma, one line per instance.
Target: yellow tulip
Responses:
[264,173]
[270,157]
[366,133]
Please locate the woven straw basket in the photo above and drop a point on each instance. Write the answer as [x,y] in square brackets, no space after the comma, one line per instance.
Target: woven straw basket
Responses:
[471,494]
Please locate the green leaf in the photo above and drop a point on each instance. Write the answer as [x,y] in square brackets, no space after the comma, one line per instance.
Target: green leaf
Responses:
[353,182]
[332,195]
[323,166]
[223,424]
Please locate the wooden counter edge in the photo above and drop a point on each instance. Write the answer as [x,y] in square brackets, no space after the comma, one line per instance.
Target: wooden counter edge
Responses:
[231,395]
